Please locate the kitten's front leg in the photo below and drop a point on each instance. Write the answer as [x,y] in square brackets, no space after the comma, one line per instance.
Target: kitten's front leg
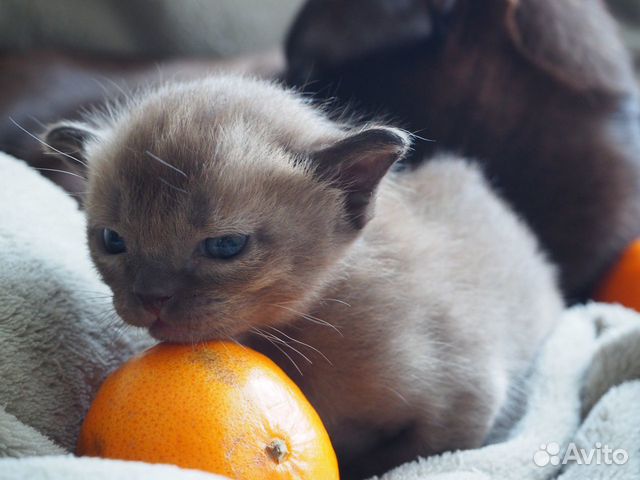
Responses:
[388,450]
[420,438]
[458,417]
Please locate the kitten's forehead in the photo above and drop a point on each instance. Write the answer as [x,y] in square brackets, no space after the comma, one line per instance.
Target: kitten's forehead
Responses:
[226,122]
[193,111]
[190,153]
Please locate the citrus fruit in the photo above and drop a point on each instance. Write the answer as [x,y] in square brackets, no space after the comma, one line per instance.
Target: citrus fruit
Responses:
[218,407]
[622,284]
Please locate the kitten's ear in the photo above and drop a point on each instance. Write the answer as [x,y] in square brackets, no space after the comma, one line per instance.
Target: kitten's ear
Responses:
[68,141]
[357,163]
[329,33]
[575,42]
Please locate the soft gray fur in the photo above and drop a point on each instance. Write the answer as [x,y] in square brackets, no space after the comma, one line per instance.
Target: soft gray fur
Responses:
[407,320]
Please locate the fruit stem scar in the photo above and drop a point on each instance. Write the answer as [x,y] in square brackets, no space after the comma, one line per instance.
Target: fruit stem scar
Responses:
[277,450]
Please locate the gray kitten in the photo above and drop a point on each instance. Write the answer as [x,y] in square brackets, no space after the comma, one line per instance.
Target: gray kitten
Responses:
[229,208]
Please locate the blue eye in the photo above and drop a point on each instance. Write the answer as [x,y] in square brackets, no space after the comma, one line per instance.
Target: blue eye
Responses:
[113,242]
[225,247]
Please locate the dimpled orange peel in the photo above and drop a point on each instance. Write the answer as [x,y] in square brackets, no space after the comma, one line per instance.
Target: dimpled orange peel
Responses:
[622,283]
[218,407]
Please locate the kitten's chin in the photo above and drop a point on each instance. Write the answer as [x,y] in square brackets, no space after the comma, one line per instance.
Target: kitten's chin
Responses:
[181,333]
[179,330]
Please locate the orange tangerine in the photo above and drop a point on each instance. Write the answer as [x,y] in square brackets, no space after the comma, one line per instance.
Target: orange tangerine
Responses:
[218,407]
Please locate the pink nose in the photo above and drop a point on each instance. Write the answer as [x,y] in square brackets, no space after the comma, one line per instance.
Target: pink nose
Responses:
[153,303]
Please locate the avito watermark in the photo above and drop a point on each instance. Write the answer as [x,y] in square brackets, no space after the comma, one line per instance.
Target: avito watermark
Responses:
[549,454]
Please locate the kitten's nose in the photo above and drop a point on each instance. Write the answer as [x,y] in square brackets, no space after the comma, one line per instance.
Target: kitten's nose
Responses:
[153,303]
[154,285]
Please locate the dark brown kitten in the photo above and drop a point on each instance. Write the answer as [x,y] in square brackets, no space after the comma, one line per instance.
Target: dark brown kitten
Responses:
[541,92]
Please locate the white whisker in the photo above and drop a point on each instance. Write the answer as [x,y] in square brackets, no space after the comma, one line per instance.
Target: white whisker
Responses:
[172,186]
[283,342]
[337,301]
[302,343]
[165,163]
[309,317]
[42,142]
[259,332]
[398,394]
[60,171]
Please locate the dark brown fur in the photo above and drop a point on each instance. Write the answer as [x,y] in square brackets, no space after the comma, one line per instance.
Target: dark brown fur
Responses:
[541,92]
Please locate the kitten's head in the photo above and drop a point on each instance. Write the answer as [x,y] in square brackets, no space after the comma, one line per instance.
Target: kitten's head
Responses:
[221,205]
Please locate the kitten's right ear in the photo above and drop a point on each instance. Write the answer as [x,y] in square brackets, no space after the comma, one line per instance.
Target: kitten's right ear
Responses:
[68,141]
[357,164]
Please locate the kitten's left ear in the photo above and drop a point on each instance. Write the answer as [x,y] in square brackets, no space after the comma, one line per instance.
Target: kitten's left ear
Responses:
[357,163]
[68,141]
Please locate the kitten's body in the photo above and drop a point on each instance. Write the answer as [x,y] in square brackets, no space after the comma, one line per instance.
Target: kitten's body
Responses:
[415,323]
[438,307]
